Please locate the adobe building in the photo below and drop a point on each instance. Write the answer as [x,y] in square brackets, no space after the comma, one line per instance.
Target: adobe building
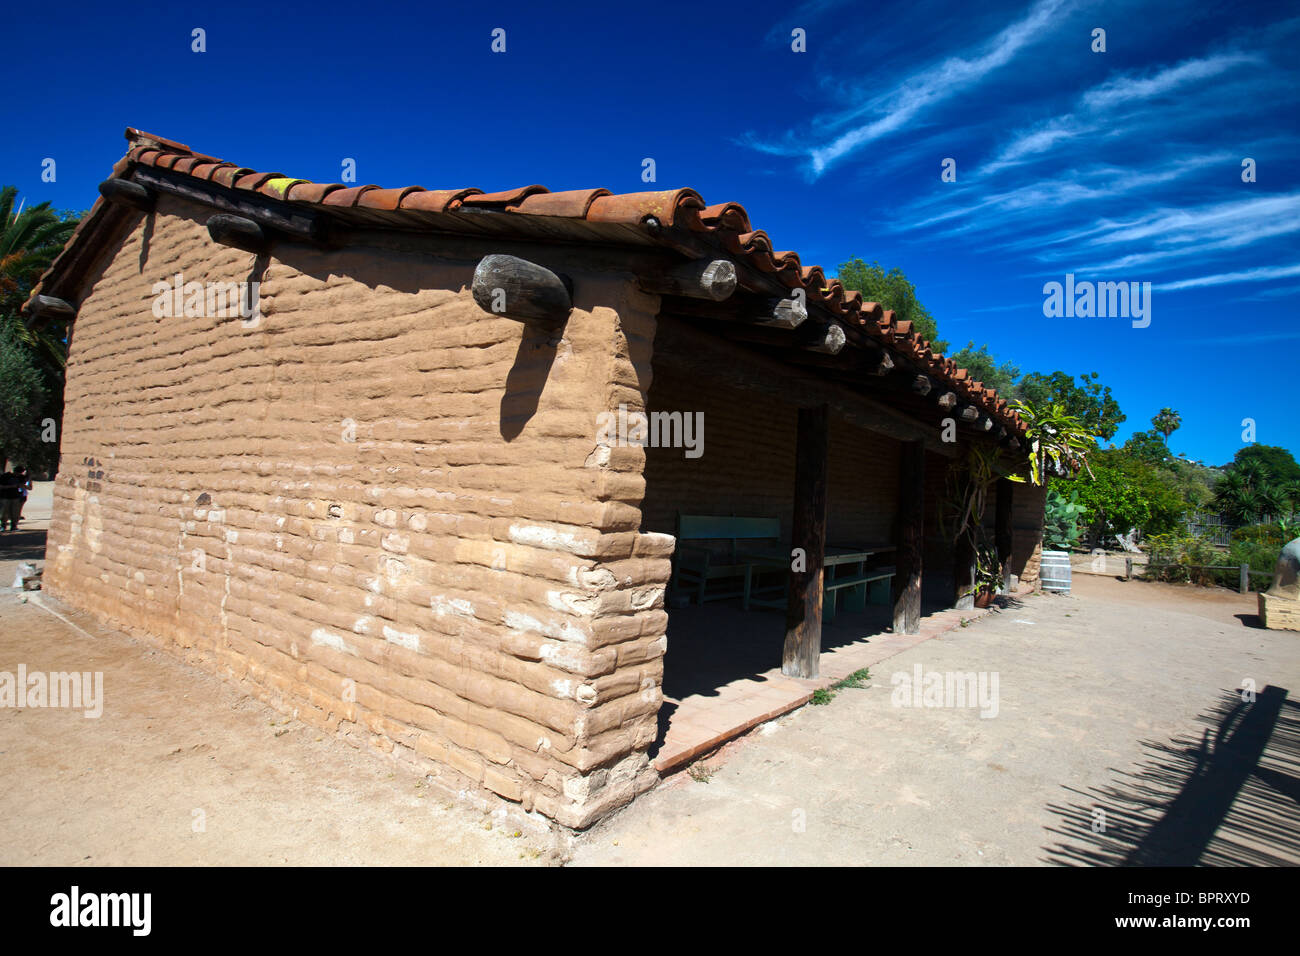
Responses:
[340,444]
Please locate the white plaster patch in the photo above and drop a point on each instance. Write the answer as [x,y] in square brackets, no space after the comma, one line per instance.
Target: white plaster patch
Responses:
[584,605]
[395,542]
[564,631]
[363,625]
[565,656]
[444,605]
[597,579]
[394,570]
[410,641]
[232,536]
[345,535]
[330,639]
[645,597]
[549,538]
[562,688]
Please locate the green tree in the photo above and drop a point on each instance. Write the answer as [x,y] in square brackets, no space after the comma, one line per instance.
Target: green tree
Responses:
[1250,491]
[984,367]
[30,240]
[893,291]
[1166,422]
[1279,462]
[1148,447]
[22,398]
[1124,494]
[1087,399]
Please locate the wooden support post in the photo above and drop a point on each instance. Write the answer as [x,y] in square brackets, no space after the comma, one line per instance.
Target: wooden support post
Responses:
[519,289]
[1244,581]
[713,279]
[784,313]
[1128,569]
[1002,529]
[803,618]
[911,539]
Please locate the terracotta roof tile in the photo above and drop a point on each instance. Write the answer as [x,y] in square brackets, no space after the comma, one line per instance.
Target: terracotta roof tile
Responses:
[386,198]
[302,191]
[438,200]
[727,224]
[669,208]
[511,197]
[572,204]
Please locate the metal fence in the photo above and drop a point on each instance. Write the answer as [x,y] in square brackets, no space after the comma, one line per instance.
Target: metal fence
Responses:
[1212,528]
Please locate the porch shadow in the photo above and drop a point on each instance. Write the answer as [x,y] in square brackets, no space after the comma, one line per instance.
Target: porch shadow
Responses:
[722,670]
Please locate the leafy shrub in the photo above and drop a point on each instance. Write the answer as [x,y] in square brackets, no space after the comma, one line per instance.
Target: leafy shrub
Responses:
[1184,559]
[1257,545]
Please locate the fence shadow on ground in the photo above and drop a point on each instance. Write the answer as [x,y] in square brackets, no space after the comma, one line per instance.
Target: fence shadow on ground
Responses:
[1228,797]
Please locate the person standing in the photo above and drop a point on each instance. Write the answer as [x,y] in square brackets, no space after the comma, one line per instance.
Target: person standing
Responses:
[9,501]
[24,488]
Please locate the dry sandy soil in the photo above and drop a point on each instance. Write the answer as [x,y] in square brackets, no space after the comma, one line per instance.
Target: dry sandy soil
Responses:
[1120,697]
[1119,708]
[183,769]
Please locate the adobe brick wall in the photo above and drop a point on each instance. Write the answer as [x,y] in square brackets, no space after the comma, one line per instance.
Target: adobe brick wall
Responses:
[463,586]
[748,464]
[1027,504]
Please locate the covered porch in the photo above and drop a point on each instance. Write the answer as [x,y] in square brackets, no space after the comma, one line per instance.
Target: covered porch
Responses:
[806,453]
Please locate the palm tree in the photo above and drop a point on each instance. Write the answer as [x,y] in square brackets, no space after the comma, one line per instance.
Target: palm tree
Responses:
[1248,492]
[1167,422]
[29,240]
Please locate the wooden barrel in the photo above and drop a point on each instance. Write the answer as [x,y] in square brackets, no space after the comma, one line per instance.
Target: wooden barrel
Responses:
[1055,571]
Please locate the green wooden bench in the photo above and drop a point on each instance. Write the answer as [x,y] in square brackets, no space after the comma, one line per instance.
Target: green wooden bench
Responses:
[845,569]
[872,585]
[695,565]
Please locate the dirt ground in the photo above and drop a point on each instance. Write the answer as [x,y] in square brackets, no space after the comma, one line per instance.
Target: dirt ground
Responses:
[1118,698]
[182,769]
[1119,710]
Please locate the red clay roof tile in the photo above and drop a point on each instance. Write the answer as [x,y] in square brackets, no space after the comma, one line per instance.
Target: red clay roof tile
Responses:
[727,223]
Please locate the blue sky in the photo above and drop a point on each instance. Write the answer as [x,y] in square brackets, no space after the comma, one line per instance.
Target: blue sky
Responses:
[1115,166]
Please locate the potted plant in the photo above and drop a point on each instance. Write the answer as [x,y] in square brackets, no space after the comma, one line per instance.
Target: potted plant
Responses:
[988,576]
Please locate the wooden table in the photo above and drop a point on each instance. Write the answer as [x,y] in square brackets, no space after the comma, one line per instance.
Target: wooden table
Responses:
[843,568]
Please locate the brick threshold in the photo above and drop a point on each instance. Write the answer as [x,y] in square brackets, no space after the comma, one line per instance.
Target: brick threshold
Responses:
[702,724]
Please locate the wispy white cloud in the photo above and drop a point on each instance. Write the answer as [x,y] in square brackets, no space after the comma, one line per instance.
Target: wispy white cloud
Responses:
[1127,89]
[1096,109]
[1066,188]
[892,111]
[1263,274]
